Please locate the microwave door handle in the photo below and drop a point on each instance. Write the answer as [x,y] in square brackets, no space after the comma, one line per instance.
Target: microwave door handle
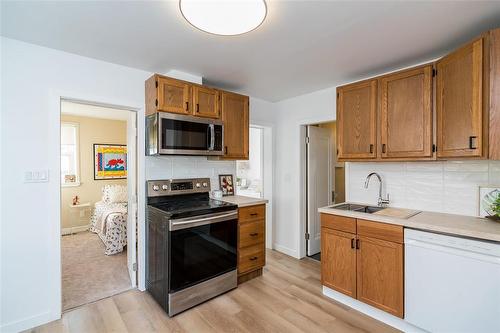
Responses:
[212,137]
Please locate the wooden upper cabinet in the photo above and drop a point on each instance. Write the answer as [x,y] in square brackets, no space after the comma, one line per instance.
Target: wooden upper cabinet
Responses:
[380,274]
[406,114]
[235,115]
[173,96]
[338,264]
[459,102]
[356,120]
[205,102]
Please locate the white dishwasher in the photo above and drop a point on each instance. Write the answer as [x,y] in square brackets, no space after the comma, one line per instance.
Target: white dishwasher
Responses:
[452,284]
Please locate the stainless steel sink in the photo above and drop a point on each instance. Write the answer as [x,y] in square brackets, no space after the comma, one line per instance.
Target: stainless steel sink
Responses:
[358,208]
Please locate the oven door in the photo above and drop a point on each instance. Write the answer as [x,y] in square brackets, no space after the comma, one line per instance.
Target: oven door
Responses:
[187,135]
[201,248]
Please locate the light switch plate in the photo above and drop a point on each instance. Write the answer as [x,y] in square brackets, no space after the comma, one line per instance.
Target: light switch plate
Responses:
[36,176]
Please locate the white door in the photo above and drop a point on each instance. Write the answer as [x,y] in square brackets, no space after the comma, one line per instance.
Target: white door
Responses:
[132,197]
[319,189]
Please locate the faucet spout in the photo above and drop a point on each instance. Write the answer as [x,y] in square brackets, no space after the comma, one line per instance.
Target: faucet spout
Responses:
[381,201]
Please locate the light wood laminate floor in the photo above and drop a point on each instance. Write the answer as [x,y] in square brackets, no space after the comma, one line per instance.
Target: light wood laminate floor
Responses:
[287,298]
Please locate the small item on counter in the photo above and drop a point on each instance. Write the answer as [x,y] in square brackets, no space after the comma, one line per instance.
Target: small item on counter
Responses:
[76,200]
[226,184]
[490,203]
[217,194]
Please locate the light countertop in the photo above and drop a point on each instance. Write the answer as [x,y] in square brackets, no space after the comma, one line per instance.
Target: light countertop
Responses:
[458,225]
[242,201]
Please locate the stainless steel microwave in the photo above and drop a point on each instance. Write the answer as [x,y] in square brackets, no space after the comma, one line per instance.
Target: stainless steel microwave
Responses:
[173,134]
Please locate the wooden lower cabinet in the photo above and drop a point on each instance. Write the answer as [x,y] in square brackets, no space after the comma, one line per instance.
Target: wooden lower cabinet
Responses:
[251,242]
[380,274]
[367,265]
[339,271]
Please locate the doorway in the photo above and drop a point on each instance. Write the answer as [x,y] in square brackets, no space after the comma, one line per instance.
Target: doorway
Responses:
[254,177]
[324,180]
[98,202]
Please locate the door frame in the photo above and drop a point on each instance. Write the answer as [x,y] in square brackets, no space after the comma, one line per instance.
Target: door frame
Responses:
[54,152]
[330,177]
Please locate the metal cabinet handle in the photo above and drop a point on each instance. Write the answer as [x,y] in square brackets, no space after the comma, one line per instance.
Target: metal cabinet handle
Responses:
[371,148]
[383,148]
[471,139]
[225,150]
[253,234]
[187,106]
[254,258]
[254,214]
[197,107]
[352,243]
[357,244]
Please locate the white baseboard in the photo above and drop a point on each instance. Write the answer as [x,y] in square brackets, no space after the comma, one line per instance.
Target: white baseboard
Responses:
[371,311]
[286,250]
[27,323]
[73,230]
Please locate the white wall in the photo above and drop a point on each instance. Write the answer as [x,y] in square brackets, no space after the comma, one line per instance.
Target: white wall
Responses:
[447,187]
[291,114]
[32,78]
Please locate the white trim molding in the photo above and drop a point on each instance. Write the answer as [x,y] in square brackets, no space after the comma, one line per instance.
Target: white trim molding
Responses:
[74,230]
[371,311]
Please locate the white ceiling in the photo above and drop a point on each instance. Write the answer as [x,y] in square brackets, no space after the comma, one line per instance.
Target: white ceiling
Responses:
[302,46]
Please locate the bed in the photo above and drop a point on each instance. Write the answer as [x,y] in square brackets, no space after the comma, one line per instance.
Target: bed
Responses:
[109,219]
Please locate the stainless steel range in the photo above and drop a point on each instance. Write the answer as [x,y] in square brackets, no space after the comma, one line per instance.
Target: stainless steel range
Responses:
[190,244]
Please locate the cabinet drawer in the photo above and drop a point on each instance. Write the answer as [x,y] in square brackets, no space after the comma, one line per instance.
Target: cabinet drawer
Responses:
[251,258]
[251,233]
[384,231]
[252,213]
[346,224]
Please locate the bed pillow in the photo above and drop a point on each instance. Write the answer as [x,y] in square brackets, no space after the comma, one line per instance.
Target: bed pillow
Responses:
[114,193]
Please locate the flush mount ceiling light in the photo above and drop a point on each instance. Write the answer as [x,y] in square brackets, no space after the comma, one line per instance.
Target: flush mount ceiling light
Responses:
[224,17]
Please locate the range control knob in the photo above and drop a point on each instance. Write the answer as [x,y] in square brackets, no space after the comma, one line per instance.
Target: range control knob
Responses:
[205,184]
[156,187]
[164,187]
[198,185]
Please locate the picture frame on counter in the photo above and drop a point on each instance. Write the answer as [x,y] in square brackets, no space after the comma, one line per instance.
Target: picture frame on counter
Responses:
[486,195]
[226,184]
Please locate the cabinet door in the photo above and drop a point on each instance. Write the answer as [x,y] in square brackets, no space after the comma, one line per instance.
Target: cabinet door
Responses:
[356,120]
[173,96]
[236,125]
[406,114]
[380,274]
[338,261]
[459,102]
[205,102]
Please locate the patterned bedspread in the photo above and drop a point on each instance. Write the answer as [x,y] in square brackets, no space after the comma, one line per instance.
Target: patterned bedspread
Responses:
[109,221]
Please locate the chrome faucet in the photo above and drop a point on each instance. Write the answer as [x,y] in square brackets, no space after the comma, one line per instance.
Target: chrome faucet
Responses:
[382,202]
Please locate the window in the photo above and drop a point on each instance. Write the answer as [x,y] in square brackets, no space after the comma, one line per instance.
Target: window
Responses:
[249,174]
[69,155]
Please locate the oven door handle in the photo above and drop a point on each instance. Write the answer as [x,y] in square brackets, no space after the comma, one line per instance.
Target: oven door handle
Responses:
[185,223]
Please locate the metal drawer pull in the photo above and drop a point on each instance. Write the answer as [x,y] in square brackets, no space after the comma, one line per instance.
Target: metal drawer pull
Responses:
[254,234]
[254,258]
[187,106]
[357,244]
[371,149]
[352,243]
[254,214]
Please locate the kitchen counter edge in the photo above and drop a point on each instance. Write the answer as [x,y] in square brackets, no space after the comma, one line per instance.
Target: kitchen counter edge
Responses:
[456,225]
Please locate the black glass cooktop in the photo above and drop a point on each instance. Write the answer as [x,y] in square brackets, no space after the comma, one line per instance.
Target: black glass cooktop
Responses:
[187,205]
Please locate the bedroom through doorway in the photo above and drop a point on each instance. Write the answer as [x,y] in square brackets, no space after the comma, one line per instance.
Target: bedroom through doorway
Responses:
[98,202]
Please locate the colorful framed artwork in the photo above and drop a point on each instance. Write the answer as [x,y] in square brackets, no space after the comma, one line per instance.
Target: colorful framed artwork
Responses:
[110,161]
[226,184]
